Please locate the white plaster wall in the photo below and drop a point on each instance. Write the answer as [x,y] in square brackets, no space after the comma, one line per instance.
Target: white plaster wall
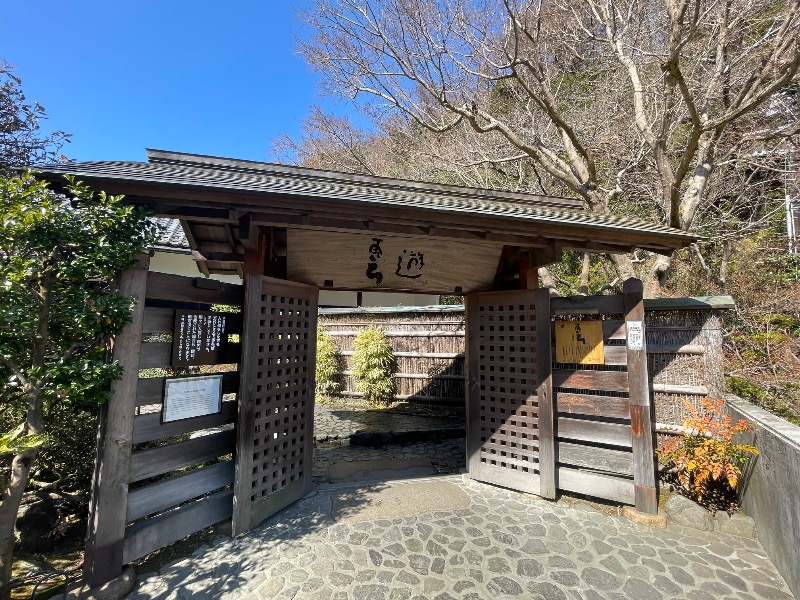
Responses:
[183,265]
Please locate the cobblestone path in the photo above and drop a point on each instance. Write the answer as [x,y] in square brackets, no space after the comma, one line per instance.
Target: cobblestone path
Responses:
[502,544]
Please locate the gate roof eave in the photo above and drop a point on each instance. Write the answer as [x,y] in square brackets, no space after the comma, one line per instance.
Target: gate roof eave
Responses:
[209,192]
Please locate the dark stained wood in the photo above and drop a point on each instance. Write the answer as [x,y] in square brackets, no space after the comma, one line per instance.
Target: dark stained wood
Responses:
[158,320]
[149,427]
[528,275]
[151,390]
[104,547]
[596,484]
[161,286]
[160,496]
[472,366]
[157,461]
[642,413]
[612,355]
[152,534]
[599,406]
[601,459]
[158,355]
[604,381]
[546,426]
[594,431]
[577,305]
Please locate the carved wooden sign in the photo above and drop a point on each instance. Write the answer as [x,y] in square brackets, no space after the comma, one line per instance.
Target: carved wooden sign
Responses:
[199,337]
[579,342]
[376,261]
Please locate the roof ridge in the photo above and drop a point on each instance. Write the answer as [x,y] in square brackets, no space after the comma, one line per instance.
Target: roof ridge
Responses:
[170,157]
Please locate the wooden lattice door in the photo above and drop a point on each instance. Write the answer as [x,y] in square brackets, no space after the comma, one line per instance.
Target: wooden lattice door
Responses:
[276,412]
[509,398]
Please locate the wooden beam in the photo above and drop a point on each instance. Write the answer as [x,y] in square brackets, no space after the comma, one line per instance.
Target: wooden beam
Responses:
[528,275]
[642,416]
[187,228]
[248,232]
[105,543]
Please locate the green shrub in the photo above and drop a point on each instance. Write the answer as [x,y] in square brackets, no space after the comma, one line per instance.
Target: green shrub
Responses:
[374,365]
[329,365]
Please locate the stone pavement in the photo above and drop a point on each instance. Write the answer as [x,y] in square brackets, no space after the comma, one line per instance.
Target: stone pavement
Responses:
[492,543]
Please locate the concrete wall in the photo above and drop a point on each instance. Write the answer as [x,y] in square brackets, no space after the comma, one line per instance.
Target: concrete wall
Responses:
[770,489]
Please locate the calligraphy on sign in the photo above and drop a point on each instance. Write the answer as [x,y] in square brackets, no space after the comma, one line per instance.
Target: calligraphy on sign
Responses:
[409,265]
[198,338]
[579,342]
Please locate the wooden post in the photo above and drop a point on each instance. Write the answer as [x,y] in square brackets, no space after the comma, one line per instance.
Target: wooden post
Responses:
[109,501]
[248,371]
[642,419]
[528,275]
[547,443]
[472,387]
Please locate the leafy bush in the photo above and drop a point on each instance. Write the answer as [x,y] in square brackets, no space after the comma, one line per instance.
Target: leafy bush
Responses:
[374,365]
[706,461]
[329,365]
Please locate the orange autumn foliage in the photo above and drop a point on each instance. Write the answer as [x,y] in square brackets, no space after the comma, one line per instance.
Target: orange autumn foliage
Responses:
[706,454]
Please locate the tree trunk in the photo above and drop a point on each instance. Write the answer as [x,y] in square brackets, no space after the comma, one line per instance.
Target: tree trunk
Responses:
[655,277]
[20,472]
[583,290]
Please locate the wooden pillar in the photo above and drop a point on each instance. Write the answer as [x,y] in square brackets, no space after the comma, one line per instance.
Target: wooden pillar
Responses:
[528,275]
[253,271]
[642,418]
[546,416]
[472,386]
[109,501]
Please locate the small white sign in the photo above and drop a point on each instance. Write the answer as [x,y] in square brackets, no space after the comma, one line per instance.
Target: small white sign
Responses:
[635,335]
[188,397]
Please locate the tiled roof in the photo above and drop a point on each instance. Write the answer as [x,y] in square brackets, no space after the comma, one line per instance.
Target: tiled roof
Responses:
[254,179]
[172,237]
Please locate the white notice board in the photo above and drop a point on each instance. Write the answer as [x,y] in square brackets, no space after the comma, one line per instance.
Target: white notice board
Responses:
[186,397]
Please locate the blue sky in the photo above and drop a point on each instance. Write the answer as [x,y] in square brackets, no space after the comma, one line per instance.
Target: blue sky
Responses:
[220,78]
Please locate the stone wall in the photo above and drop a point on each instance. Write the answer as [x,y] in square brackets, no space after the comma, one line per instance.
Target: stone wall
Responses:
[770,488]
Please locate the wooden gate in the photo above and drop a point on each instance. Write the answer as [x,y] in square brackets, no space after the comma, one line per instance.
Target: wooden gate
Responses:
[509,398]
[276,413]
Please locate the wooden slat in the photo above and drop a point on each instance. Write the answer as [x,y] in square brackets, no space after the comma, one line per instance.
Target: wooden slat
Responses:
[596,484]
[642,412]
[104,547]
[161,286]
[675,348]
[150,535]
[601,459]
[158,355]
[608,381]
[149,427]
[686,390]
[545,396]
[576,305]
[472,389]
[151,390]
[166,494]
[158,320]
[157,461]
[599,406]
[594,431]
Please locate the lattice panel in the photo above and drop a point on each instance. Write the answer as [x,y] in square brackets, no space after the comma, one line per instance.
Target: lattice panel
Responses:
[507,381]
[283,413]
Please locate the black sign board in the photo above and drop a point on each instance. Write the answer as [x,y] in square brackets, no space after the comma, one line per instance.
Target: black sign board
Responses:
[200,337]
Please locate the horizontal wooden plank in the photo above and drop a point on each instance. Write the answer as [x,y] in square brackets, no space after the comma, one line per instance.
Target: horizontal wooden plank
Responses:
[150,535]
[594,431]
[150,390]
[599,406]
[158,320]
[687,390]
[452,355]
[509,478]
[694,303]
[576,305]
[158,355]
[600,459]
[166,494]
[676,349]
[161,286]
[598,485]
[157,461]
[580,379]
[149,427]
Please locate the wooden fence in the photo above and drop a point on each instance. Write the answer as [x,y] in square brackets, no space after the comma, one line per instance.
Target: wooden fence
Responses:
[158,480]
[684,350]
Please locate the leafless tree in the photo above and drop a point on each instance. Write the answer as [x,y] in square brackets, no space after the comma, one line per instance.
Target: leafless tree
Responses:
[634,105]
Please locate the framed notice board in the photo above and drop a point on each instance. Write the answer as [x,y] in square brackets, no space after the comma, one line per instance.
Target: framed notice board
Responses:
[579,342]
[199,338]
